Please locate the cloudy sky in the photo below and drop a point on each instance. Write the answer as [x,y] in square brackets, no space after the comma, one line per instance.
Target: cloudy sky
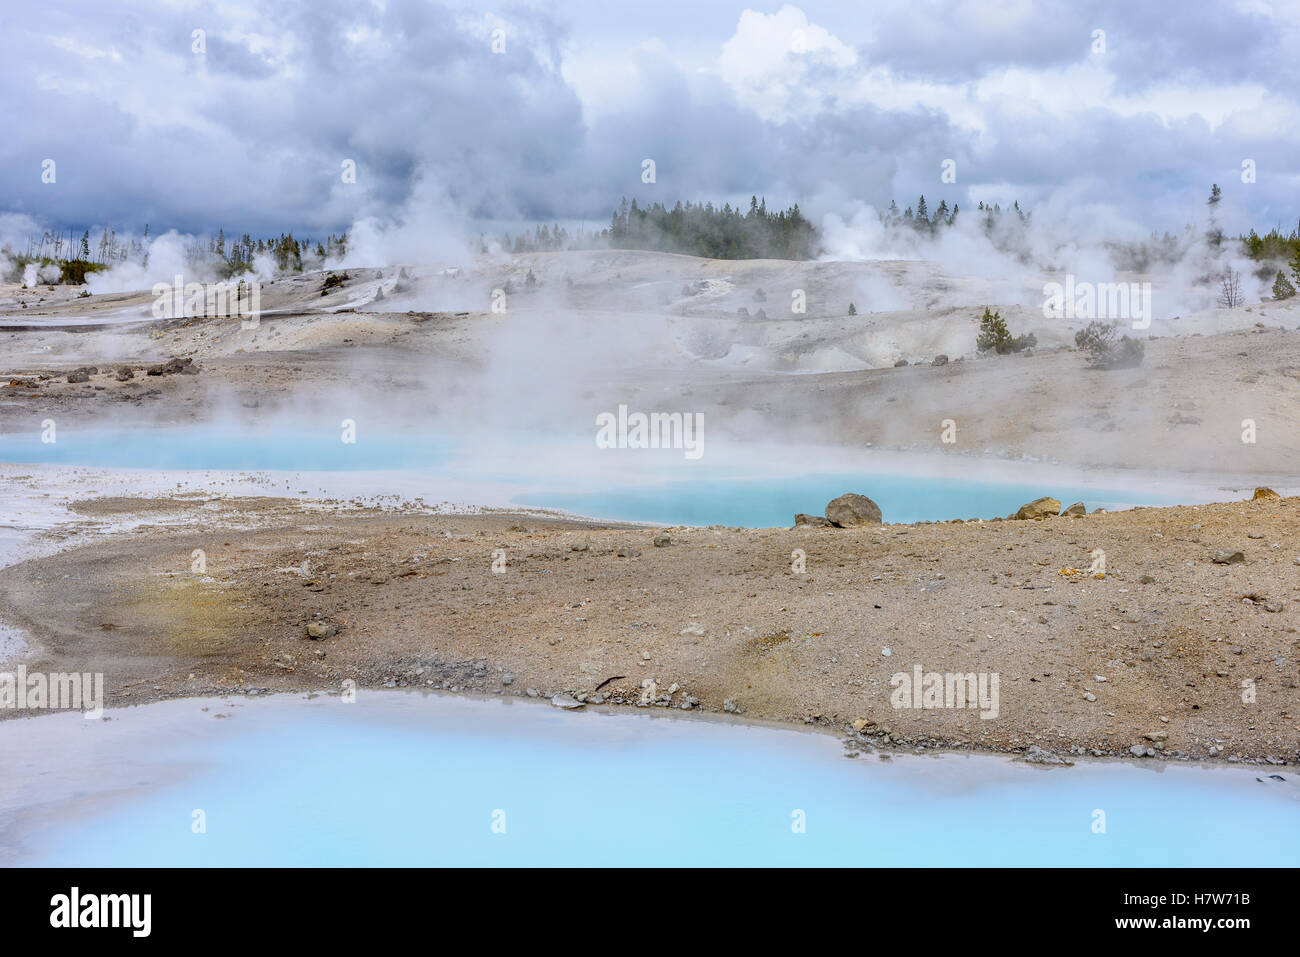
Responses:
[545,111]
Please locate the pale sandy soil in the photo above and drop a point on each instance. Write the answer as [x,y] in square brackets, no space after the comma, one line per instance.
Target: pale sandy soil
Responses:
[561,354]
[1175,637]
[663,333]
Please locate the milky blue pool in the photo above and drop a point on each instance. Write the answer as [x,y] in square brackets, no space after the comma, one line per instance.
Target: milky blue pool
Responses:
[768,503]
[405,779]
[307,449]
[667,491]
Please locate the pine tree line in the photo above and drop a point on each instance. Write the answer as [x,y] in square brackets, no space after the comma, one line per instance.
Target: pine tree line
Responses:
[702,229]
[77,257]
[920,219]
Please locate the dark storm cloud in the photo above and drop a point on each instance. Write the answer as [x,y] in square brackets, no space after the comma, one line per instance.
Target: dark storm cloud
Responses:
[251,134]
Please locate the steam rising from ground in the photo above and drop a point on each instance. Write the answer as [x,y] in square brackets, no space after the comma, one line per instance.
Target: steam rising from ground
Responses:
[429,229]
[1094,243]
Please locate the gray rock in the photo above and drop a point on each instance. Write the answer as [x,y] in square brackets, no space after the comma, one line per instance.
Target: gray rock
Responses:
[662,540]
[815,521]
[940,360]
[851,510]
[320,629]
[1078,508]
[567,702]
[1223,557]
[1036,755]
[171,366]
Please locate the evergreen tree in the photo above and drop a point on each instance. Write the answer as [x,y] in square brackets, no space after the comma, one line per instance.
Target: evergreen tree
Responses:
[995,336]
[1214,235]
[993,332]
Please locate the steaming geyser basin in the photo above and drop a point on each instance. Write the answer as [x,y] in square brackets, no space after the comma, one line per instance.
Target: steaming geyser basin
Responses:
[735,484]
[403,779]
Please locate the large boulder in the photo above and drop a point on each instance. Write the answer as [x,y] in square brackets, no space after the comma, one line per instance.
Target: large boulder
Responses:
[1078,508]
[1040,508]
[1265,494]
[850,510]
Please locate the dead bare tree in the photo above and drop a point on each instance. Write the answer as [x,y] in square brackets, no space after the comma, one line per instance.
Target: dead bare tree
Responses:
[1230,290]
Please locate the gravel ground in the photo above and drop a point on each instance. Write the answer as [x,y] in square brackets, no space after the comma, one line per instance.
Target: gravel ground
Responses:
[1169,652]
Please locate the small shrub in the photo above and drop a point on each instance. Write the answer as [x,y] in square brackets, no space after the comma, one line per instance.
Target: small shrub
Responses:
[73,272]
[853,310]
[1105,351]
[332,280]
[994,336]
[1282,288]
